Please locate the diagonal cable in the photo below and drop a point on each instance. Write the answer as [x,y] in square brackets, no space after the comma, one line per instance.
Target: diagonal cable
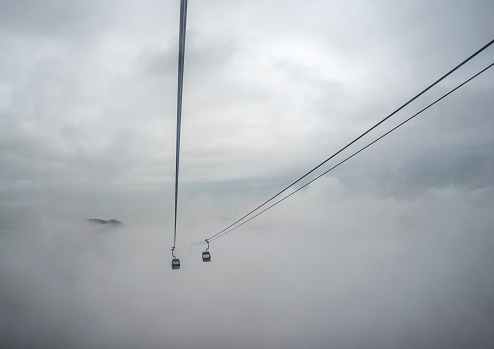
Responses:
[351,156]
[226,231]
[359,137]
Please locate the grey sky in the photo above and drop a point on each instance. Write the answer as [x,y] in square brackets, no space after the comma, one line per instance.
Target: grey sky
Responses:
[392,249]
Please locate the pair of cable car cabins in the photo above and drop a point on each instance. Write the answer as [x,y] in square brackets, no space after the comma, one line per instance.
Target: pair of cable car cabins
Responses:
[206,257]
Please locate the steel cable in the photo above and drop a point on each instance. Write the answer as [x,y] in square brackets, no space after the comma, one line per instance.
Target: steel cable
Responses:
[181,54]
[227,230]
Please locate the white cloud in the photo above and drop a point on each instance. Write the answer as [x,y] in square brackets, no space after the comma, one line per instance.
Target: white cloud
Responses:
[390,250]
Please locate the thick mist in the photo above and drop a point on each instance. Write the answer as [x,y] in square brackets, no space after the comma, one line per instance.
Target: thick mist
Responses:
[359,272]
[393,249]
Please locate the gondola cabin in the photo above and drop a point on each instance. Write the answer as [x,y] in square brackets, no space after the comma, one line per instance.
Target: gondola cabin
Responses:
[206,256]
[175,263]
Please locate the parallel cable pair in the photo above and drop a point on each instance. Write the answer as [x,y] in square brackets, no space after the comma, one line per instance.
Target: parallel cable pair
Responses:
[181,55]
[234,225]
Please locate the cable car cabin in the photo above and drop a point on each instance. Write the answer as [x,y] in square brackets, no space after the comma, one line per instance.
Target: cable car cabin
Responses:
[206,256]
[175,263]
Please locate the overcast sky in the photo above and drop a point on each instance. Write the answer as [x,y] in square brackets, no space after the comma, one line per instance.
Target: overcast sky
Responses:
[394,249]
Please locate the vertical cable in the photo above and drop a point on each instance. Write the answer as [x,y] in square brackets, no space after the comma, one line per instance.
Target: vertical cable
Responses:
[181,53]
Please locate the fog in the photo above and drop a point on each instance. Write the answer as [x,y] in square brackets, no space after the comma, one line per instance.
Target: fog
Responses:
[404,274]
[393,249]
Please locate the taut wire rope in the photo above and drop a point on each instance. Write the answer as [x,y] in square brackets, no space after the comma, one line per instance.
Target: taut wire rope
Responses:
[181,54]
[227,229]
